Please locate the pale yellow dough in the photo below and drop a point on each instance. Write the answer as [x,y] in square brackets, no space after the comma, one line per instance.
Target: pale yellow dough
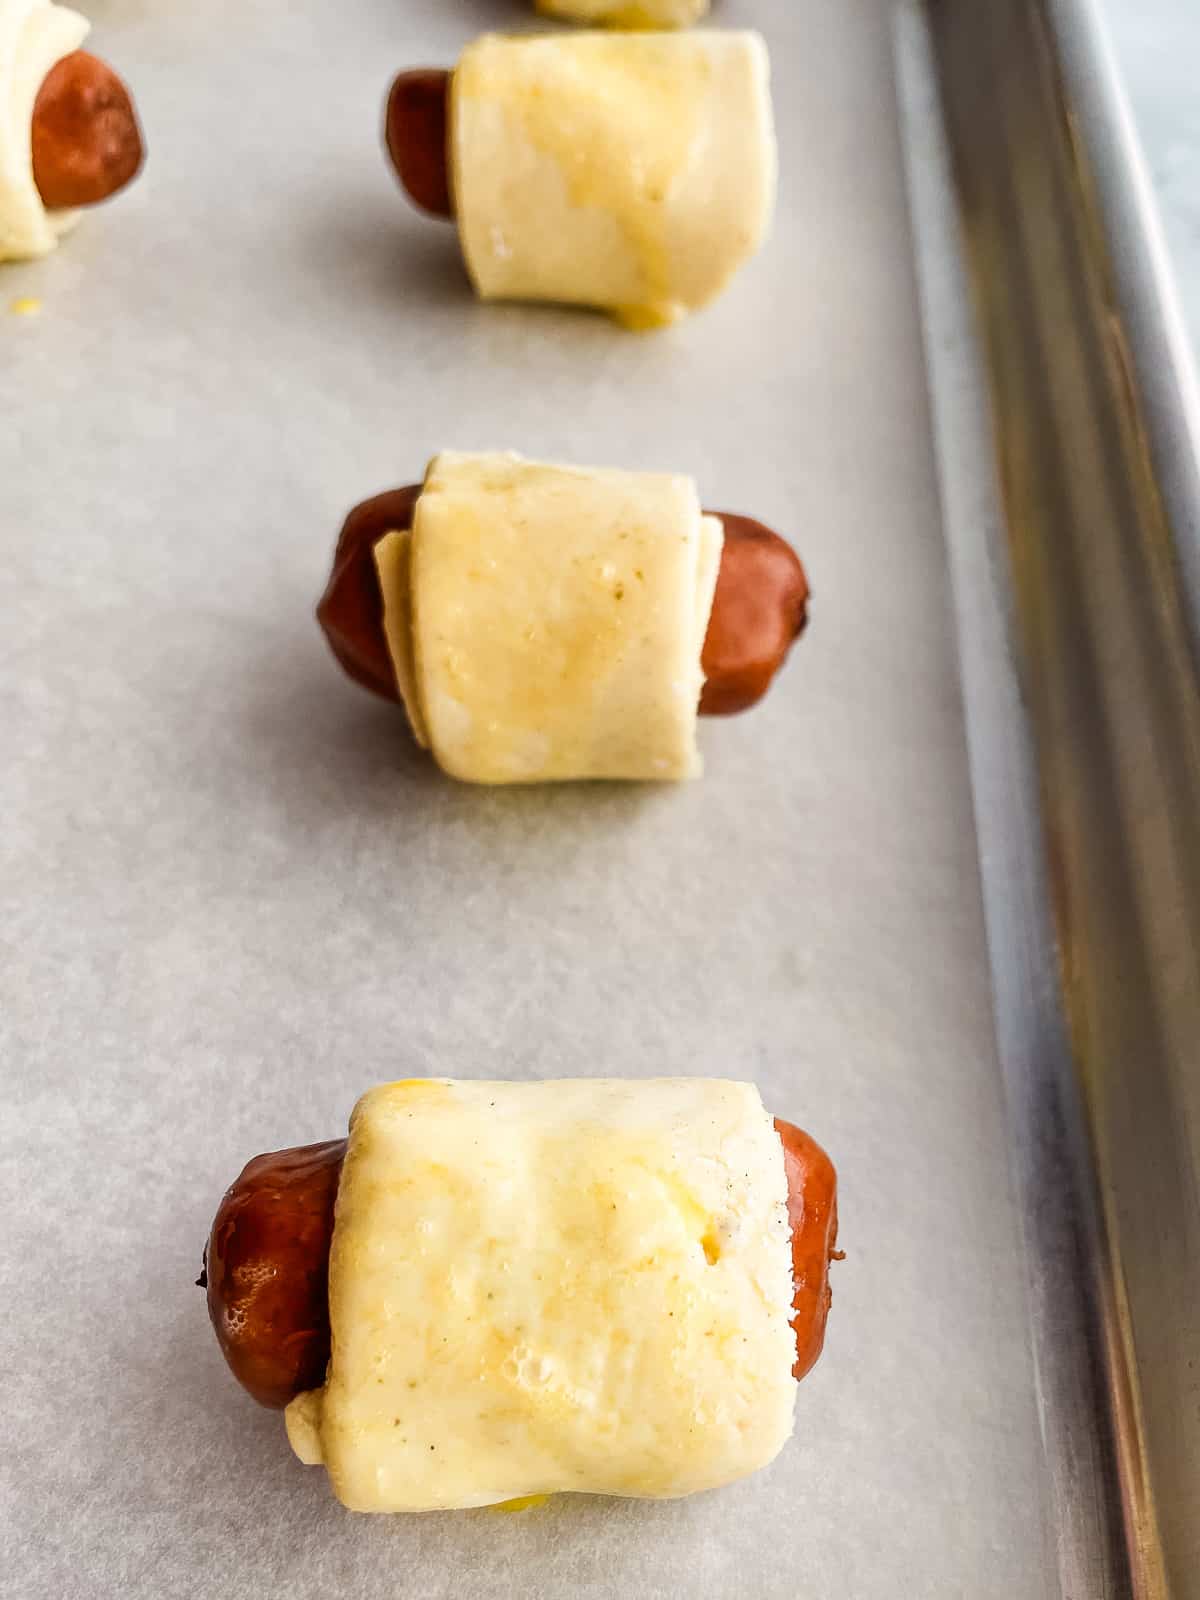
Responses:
[633,172]
[34,36]
[627,13]
[541,1287]
[546,622]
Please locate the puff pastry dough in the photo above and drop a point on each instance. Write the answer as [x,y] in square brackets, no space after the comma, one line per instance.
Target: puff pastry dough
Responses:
[538,1287]
[635,172]
[628,13]
[34,36]
[546,622]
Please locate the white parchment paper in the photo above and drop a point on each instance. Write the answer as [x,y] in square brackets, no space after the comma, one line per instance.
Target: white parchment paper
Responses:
[234,895]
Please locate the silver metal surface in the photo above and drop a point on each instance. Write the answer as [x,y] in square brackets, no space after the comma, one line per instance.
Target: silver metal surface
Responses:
[1076,590]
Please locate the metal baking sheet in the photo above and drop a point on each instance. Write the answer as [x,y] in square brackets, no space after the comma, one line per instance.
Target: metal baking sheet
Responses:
[1067,421]
[234,896]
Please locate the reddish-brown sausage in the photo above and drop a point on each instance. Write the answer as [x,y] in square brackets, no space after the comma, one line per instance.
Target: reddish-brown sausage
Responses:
[812,1212]
[415,128]
[86,140]
[351,609]
[266,1264]
[759,609]
[266,1269]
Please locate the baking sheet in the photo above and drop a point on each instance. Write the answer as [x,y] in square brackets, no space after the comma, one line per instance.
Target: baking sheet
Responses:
[1077,590]
[234,896]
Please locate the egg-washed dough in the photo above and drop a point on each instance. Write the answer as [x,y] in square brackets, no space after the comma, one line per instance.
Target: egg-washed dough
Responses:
[34,36]
[635,171]
[546,622]
[628,13]
[540,1287]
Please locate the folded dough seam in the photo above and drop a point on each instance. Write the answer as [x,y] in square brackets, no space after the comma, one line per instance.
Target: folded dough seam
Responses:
[546,622]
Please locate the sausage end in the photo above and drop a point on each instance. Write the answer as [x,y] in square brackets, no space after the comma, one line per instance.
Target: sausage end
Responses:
[759,610]
[415,131]
[85,136]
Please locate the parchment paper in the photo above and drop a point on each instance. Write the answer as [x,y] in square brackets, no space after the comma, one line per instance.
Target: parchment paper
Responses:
[234,895]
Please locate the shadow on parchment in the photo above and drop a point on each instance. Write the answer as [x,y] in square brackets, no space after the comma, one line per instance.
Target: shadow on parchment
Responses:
[377,249]
[385,251]
[328,744]
[330,752]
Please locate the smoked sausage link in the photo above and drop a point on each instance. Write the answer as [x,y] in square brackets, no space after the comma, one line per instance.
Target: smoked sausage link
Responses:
[759,609]
[266,1265]
[351,609]
[812,1212]
[86,140]
[266,1269]
[415,128]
